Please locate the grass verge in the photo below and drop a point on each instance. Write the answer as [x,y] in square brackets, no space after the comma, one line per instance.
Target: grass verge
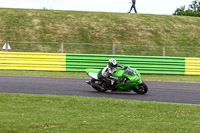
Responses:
[81,28]
[178,78]
[45,113]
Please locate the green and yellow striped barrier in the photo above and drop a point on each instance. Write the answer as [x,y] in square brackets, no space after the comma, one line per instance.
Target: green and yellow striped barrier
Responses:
[33,61]
[80,62]
[145,64]
[192,66]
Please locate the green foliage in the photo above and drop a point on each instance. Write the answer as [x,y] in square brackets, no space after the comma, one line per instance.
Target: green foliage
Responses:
[193,10]
[180,11]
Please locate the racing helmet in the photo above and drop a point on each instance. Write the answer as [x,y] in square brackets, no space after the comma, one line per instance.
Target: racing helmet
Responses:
[112,63]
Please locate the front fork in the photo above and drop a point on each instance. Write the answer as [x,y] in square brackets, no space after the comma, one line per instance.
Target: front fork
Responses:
[137,84]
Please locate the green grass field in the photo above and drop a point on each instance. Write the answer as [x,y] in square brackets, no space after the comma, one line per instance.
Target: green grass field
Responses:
[98,27]
[45,113]
[30,25]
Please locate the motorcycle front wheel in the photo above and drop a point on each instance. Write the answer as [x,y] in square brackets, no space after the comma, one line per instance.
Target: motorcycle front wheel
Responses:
[143,89]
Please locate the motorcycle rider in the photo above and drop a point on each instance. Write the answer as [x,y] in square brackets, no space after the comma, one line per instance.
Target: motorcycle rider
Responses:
[107,73]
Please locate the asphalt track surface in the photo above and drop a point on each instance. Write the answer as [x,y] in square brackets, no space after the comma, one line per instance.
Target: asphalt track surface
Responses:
[174,92]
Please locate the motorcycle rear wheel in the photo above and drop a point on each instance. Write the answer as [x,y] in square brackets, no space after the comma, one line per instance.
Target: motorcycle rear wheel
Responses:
[95,85]
[143,89]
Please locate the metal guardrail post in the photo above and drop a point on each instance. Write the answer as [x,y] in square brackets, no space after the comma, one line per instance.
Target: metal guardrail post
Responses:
[164,48]
[160,49]
[62,47]
[113,49]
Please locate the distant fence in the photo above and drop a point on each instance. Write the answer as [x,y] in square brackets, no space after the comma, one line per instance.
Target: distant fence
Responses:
[110,49]
[80,62]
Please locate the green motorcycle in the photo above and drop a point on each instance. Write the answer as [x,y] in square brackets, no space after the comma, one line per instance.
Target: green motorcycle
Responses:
[126,80]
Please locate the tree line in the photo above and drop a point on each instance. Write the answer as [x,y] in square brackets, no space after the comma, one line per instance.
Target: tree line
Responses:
[193,9]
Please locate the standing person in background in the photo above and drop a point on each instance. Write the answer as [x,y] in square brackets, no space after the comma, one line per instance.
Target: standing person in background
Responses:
[133,6]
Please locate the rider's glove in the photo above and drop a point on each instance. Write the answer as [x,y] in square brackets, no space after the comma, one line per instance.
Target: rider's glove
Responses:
[110,75]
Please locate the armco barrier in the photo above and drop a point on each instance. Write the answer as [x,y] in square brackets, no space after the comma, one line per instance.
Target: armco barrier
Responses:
[192,66]
[80,62]
[145,64]
[33,61]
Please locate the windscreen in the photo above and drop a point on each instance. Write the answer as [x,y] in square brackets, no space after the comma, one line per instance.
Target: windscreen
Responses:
[130,71]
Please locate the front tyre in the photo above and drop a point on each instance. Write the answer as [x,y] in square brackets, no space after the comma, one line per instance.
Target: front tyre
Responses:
[143,89]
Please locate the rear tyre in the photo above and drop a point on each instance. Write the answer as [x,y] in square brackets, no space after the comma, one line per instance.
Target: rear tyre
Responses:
[97,87]
[143,89]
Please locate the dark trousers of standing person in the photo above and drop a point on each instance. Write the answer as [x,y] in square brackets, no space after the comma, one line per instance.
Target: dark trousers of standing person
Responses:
[133,7]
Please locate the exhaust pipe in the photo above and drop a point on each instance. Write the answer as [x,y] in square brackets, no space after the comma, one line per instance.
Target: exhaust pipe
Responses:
[88,82]
[94,85]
